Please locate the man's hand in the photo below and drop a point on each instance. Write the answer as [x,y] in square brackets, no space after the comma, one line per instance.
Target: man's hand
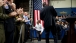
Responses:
[23,20]
[13,14]
[31,19]
[19,19]
[33,27]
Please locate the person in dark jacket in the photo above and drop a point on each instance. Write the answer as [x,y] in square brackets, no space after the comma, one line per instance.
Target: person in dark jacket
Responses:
[3,17]
[48,14]
[9,24]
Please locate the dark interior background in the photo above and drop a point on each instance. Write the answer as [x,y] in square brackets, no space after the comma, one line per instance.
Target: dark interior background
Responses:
[23,4]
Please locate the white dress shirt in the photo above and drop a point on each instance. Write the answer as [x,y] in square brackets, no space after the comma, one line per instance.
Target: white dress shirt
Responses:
[39,27]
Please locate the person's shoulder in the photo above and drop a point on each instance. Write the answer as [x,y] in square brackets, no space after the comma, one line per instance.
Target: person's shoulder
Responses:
[41,10]
[50,6]
[1,6]
[40,24]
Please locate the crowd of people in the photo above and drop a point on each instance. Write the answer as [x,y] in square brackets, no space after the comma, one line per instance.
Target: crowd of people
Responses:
[63,28]
[11,22]
[62,25]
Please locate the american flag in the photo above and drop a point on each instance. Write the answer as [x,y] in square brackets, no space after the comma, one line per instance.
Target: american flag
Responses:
[37,7]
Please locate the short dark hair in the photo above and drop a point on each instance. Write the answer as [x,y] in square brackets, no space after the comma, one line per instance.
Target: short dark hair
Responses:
[44,4]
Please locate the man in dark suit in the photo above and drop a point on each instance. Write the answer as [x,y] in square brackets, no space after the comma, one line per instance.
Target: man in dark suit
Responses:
[5,35]
[48,14]
[9,23]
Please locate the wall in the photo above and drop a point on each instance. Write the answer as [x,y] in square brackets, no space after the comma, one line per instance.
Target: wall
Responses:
[63,5]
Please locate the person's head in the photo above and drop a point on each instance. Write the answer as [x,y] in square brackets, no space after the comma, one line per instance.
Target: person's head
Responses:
[44,4]
[38,21]
[20,11]
[1,2]
[10,1]
[5,1]
[25,13]
[58,22]
[66,22]
[57,17]
[63,23]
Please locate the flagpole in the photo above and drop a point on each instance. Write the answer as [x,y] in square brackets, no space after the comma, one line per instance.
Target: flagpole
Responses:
[31,16]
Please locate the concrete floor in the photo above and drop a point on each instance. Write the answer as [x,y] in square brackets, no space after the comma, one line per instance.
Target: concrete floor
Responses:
[42,41]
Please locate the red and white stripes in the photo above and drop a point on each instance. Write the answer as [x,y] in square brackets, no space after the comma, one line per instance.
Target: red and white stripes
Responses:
[37,14]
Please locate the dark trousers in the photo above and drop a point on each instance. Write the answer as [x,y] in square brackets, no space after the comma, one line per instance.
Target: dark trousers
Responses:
[64,40]
[31,34]
[9,27]
[26,34]
[16,36]
[9,32]
[38,35]
[47,31]
[9,37]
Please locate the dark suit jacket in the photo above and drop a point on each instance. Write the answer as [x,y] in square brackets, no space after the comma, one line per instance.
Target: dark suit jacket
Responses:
[48,14]
[2,15]
[9,24]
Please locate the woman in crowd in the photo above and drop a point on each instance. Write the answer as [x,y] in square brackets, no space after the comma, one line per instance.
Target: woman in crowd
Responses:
[65,29]
[19,22]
